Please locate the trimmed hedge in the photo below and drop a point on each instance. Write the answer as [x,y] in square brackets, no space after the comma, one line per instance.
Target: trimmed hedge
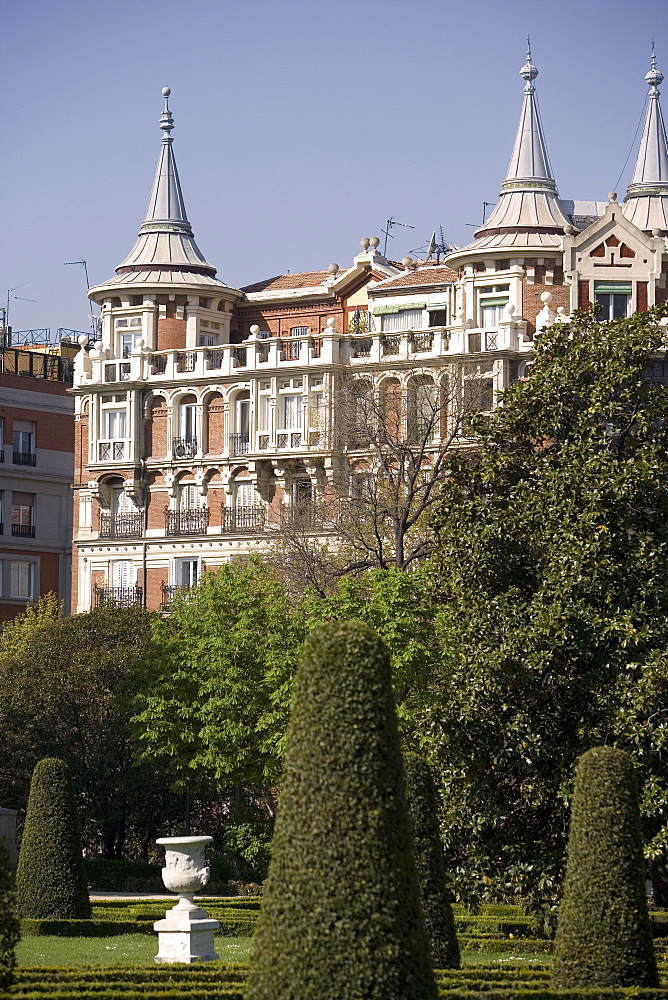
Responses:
[430,862]
[226,982]
[50,880]
[604,936]
[341,916]
[9,923]
[103,875]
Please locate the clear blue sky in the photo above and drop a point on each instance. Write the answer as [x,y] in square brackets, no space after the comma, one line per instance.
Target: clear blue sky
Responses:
[301,125]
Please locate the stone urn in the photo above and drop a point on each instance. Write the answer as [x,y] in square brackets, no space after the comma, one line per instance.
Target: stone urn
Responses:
[186,933]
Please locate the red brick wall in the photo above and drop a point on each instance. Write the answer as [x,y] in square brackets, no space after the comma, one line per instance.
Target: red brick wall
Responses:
[583,295]
[215,429]
[171,334]
[278,319]
[54,431]
[641,299]
[155,430]
[80,446]
[154,580]
[156,509]
[532,305]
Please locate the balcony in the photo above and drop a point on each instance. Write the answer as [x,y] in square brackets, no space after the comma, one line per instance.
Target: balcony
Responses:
[184,448]
[242,520]
[2,455]
[168,592]
[23,530]
[304,515]
[191,521]
[239,444]
[24,458]
[123,597]
[127,525]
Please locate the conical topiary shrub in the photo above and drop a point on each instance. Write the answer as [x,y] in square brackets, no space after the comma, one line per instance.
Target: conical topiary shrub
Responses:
[604,936]
[341,916]
[50,879]
[430,862]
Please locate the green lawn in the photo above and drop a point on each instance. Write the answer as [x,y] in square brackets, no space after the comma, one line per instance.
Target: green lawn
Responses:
[126,949]
[140,949]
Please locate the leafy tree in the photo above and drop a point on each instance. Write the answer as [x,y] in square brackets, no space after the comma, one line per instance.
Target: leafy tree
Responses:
[551,573]
[341,917]
[50,880]
[393,603]
[604,937]
[213,693]
[430,862]
[65,692]
[9,923]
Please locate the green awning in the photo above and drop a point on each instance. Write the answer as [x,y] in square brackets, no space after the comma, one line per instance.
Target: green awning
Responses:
[433,306]
[613,287]
[502,301]
[383,310]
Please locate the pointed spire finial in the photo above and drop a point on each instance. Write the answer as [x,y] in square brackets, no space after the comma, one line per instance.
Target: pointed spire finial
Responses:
[528,71]
[655,76]
[166,120]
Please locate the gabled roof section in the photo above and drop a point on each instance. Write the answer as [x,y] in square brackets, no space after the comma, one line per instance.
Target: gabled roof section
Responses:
[281,282]
[646,202]
[529,203]
[369,266]
[420,277]
[166,239]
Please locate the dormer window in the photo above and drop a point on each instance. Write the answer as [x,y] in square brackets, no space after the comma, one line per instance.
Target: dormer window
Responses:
[614,298]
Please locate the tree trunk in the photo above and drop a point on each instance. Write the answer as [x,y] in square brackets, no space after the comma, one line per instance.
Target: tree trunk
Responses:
[658,873]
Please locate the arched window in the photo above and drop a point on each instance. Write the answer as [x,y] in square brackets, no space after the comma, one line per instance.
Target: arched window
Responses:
[185,441]
[422,409]
[240,437]
[391,406]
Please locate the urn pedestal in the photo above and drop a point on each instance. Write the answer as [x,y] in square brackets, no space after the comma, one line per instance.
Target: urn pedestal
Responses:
[186,933]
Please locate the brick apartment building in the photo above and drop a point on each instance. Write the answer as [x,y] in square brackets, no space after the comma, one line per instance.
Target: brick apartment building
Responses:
[206,413]
[36,470]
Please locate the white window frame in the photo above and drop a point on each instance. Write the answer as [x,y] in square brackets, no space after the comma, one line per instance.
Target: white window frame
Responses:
[29,593]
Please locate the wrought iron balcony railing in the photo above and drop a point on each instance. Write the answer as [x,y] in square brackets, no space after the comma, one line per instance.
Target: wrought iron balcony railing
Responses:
[190,521]
[24,458]
[125,597]
[304,515]
[242,520]
[239,444]
[184,447]
[23,530]
[168,592]
[127,525]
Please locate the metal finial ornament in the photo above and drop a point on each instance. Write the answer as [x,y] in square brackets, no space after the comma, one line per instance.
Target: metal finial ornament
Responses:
[166,120]
[529,71]
[655,76]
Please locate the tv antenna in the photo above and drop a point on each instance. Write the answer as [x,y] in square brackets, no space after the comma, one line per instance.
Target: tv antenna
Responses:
[485,206]
[95,321]
[10,297]
[438,245]
[391,222]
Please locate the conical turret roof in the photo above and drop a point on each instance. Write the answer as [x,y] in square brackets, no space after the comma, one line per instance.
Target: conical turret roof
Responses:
[528,213]
[646,202]
[165,250]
